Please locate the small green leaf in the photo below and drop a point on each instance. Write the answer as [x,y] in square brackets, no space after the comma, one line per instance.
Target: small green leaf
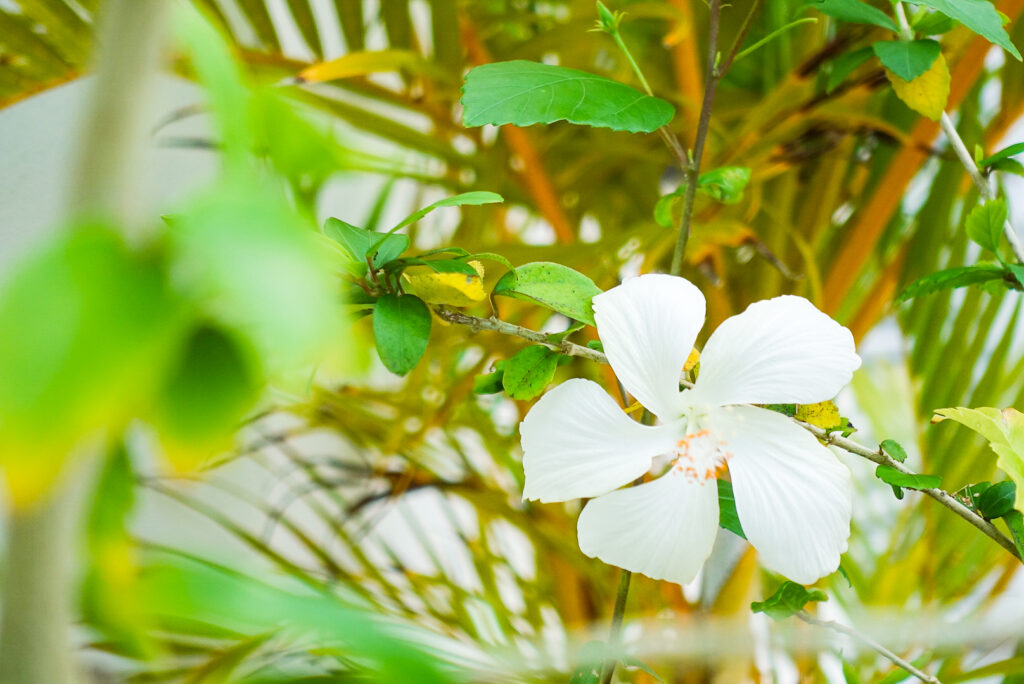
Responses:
[788,600]
[857,12]
[898,478]
[785,409]
[728,518]
[554,286]
[401,326]
[1017,271]
[1005,153]
[950,278]
[997,500]
[490,383]
[845,64]
[907,59]
[1015,521]
[985,224]
[589,662]
[525,93]
[979,16]
[529,372]
[358,242]
[475,198]
[725,184]
[894,449]
[1008,166]
[630,661]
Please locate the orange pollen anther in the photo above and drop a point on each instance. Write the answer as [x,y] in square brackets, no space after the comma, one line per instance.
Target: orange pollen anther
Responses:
[700,457]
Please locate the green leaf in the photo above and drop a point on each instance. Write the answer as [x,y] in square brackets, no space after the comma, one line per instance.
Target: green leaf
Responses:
[725,184]
[1015,522]
[525,93]
[997,500]
[631,661]
[857,12]
[589,662]
[214,382]
[907,59]
[401,326]
[490,383]
[788,600]
[845,64]
[985,224]
[728,518]
[894,449]
[1005,153]
[111,577]
[358,243]
[1004,431]
[529,372]
[88,328]
[554,286]
[665,206]
[950,278]
[1008,166]
[1017,271]
[979,16]
[898,478]
[784,409]
[474,198]
[933,24]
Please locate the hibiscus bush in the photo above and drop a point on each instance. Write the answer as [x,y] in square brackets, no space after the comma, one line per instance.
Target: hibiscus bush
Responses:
[515,341]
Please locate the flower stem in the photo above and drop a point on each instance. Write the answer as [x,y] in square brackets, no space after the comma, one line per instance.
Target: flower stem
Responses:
[693,169]
[615,633]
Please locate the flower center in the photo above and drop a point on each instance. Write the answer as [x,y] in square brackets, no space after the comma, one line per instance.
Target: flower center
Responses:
[700,456]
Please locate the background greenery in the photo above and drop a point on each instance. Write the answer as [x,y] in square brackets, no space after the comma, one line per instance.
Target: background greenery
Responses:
[401,498]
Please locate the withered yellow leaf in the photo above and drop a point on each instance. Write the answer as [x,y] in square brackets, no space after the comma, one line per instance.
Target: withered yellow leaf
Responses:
[360,64]
[451,289]
[824,414]
[926,94]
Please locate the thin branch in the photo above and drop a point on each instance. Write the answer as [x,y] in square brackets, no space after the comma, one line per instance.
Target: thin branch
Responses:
[957,143]
[478,324]
[693,169]
[874,455]
[870,643]
[943,497]
[737,43]
[615,633]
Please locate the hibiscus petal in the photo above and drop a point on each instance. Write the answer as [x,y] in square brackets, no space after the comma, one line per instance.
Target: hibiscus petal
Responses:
[577,442]
[793,496]
[648,326]
[778,351]
[663,529]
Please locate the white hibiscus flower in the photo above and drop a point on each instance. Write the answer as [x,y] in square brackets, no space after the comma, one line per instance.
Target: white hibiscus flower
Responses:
[792,494]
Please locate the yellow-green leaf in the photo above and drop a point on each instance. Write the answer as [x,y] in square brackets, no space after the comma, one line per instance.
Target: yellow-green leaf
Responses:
[824,414]
[1004,431]
[926,94]
[452,289]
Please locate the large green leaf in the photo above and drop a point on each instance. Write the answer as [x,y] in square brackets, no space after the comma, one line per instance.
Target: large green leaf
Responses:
[978,15]
[907,59]
[857,12]
[1004,431]
[557,287]
[525,93]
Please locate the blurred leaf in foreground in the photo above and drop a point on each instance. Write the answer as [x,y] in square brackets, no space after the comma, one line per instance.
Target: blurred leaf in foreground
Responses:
[88,329]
